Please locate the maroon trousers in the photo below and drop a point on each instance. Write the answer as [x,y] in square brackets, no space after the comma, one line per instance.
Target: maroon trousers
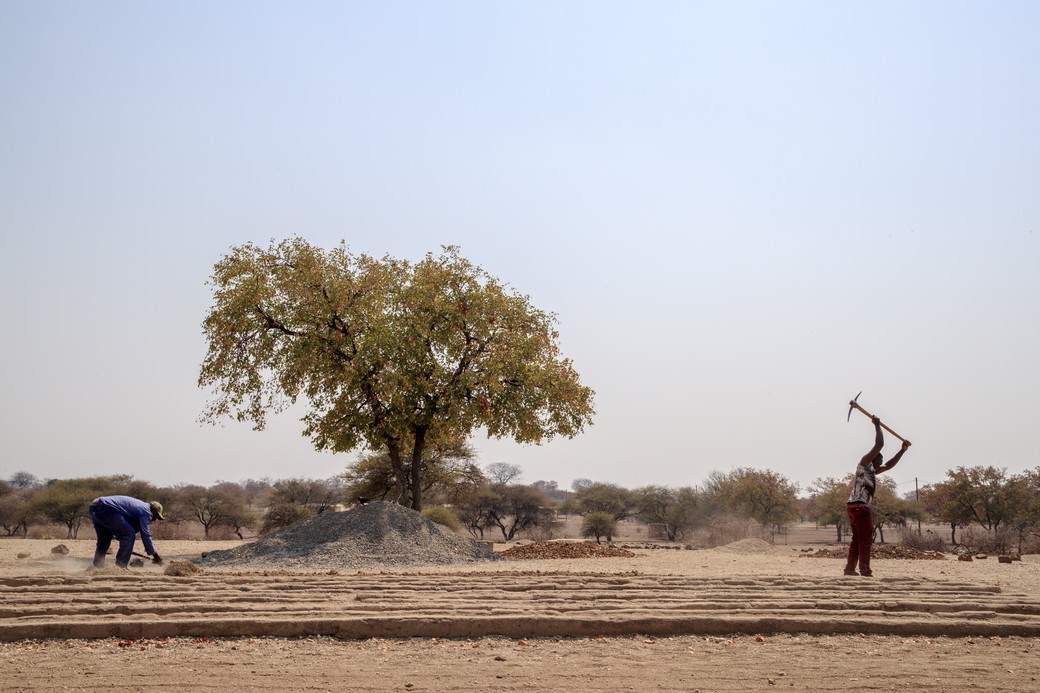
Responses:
[862,524]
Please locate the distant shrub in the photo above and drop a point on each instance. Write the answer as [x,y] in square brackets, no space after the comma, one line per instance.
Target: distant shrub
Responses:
[440,515]
[975,539]
[547,527]
[926,541]
[284,514]
[599,525]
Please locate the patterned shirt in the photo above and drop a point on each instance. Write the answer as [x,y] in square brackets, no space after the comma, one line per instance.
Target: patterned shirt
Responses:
[863,486]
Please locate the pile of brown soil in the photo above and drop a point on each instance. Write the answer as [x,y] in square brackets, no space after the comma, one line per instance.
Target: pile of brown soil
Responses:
[182,569]
[367,536]
[747,547]
[566,549]
[883,551]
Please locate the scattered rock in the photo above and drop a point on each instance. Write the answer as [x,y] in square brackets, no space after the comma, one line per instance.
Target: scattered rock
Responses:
[965,557]
[25,555]
[883,551]
[1004,559]
[62,549]
[982,556]
[136,563]
[566,549]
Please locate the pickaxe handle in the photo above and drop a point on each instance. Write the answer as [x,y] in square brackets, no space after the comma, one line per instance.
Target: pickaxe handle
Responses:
[854,405]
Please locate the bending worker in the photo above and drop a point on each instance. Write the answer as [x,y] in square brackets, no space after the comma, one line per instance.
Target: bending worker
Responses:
[123,517]
[860,517]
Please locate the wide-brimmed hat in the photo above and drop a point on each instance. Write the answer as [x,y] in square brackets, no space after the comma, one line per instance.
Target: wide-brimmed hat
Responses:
[156,507]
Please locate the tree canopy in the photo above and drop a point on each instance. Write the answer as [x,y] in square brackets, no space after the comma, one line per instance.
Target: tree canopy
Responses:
[388,355]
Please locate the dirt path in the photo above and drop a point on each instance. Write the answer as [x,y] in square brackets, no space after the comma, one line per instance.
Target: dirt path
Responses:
[686,663]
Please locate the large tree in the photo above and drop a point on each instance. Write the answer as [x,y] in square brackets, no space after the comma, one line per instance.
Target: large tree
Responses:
[828,499]
[677,510]
[448,475]
[388,355]
[765,496]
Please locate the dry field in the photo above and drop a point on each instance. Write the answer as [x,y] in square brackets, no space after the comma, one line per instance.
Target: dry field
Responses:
[743,617]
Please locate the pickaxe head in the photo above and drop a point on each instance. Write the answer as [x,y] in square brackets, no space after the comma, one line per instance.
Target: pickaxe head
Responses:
[852,405]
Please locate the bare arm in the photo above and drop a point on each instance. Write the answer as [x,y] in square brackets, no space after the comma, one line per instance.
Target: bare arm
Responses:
[895,460]
[879,442]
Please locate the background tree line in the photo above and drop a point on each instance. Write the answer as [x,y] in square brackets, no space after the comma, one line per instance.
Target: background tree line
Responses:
[984,507]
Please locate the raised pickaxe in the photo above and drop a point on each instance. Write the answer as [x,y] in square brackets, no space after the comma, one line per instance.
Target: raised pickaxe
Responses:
[854,405]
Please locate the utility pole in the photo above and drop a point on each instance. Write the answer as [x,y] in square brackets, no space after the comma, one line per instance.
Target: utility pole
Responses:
[917,495]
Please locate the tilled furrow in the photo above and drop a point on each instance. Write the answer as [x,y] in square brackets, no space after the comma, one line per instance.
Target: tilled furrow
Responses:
[507,604]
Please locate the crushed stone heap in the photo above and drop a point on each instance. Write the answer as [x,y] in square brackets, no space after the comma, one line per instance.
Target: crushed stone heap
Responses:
[376,535]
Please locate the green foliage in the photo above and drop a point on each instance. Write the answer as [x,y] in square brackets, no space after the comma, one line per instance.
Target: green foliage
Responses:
[887,508]
[389,355]
[448,474]
[280,515]
[599,525]
[761,495]
[16,509]
[442,516]
[987,496]
[552,491]
[477,510]
[518,508]
[511,508]
[678,510]
[616,501]
[65,501]
[828,499]
[217,506]
[317,494]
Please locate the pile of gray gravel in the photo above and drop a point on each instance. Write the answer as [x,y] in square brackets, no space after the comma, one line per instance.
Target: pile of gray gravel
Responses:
[376,535]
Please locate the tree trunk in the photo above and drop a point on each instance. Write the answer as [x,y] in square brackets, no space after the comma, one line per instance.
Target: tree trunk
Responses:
[416,471]
[400,480]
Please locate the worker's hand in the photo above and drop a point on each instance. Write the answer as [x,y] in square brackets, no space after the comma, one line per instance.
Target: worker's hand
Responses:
[906,445]
[875,420]
[156,559]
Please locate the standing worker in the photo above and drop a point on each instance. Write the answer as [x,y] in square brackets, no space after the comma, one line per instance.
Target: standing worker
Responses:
[860,517]
[123,517]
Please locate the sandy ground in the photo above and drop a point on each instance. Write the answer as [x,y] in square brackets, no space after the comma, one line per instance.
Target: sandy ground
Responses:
[744,617]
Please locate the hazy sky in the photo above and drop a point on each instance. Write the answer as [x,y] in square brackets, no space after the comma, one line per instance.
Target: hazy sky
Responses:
[742,213]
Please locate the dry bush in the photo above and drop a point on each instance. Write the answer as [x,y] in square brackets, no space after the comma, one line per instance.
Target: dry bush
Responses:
[975,539]
[438,514]
[722,530]
[171,531]
[549,527]
[926,541]
[222,534]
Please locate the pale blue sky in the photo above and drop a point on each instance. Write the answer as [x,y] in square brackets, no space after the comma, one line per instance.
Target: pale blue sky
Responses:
[743,213]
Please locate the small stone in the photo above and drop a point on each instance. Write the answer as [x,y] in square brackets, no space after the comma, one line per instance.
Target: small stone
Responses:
[1004,559]
[24,555]
[62,549]
[965,557]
